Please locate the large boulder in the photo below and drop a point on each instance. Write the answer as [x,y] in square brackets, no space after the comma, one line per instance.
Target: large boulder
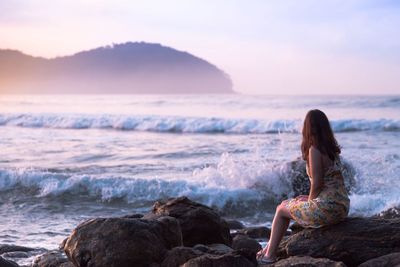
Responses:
[199,223]
[7,263]
[245,242]
[122,242]
[237,258]
[306,261]
[179,255]
[234,224]
[390,260]
[352,241]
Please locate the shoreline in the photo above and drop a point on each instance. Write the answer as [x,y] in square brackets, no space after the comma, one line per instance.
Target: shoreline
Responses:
[224,241]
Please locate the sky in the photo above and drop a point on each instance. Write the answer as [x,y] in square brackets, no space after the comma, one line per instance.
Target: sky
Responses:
[266,46]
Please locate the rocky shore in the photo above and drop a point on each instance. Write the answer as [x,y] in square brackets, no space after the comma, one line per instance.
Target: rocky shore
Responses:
[180,232]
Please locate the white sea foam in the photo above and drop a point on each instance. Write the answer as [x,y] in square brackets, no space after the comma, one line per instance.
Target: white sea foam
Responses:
[229,185]
[156,123]
[242,187]
[107,188]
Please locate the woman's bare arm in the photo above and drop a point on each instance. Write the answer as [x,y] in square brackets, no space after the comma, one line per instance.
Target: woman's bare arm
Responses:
[316,169]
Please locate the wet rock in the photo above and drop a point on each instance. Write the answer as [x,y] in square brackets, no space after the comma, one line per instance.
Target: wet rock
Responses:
[179,255]
[202,248]
[388,260]
[234,225]
[214,252]
[245,242]
[52,259]
[122,242]
[256,232]
[133,216]
[303,261]
[12,248]
[16,254]
[215,249]
[7,263]
[218,249]
[237,258]
[199,223]
[352,241]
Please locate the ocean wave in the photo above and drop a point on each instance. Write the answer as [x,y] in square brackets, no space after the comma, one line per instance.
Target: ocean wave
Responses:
[177,124]
[59,186]
[235,188]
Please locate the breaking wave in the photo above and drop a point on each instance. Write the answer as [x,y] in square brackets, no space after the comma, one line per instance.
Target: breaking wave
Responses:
[177,124]
[235,188]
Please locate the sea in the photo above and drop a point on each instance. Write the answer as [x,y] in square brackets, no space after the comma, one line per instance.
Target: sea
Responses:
[68,158]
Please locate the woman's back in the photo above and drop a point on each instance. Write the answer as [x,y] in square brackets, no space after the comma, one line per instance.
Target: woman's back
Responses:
[330,206]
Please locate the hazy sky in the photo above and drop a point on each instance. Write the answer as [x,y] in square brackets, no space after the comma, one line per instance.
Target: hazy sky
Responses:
[267,46]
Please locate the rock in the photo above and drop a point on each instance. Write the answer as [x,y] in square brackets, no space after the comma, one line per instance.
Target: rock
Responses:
[237,258]
[391,213]
[62,244]
[202,248]
[12,251]
[52,259]
[16,254]
[215,249]
[388,260]
[352,241]
[256,232]
[199,223]
[296,227]
[245,242]
[7,263]
[234,225]
[300,181]
[306,261]
[299,178]
[133,216]
[12,248]
[179,255]
[218,249]
[122,242]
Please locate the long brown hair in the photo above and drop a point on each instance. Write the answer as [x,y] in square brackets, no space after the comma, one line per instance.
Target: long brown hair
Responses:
[318,132]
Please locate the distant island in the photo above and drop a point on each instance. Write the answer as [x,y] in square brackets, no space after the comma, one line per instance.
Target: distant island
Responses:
[128,68]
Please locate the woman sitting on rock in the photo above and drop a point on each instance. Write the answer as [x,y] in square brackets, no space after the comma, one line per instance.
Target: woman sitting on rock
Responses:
[327,202]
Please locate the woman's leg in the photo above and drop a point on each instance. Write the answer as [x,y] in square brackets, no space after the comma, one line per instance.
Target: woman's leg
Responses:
[279,226]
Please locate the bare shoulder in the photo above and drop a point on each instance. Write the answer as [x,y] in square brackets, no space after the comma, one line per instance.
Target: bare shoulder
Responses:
[314,152]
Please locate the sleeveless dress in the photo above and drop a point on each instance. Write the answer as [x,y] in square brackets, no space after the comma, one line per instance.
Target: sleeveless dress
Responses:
[330,207]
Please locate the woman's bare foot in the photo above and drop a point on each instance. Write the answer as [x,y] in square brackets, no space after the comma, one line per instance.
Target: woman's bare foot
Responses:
[262,257]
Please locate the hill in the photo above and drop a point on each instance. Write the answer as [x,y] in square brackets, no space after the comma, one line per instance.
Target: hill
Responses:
[128,68]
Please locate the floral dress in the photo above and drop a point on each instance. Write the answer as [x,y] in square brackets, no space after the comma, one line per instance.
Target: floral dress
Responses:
[330,207]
